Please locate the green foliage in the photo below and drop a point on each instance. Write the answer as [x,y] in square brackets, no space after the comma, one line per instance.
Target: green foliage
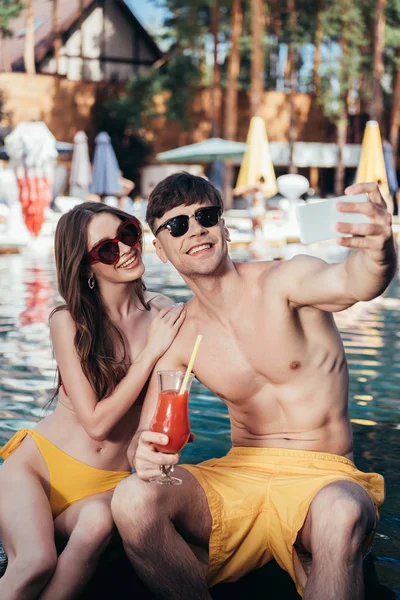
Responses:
[181,76]
[9,10]
[344,35]
[136,106]
[126,116]
[392,29]
[130,147]
[304,30]
[345,71]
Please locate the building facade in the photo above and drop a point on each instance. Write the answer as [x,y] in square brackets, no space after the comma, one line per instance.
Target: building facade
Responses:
[101,40]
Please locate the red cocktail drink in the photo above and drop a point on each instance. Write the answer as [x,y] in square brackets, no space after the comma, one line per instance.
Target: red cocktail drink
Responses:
[172,419]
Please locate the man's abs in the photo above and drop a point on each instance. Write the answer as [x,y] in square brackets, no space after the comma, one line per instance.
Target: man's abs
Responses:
[333,438]
[310,414]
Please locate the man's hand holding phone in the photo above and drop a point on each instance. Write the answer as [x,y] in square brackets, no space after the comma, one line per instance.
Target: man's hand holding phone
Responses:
[357,220]
[372,236]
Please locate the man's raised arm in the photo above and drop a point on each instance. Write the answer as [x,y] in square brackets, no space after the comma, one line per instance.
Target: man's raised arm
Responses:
[364,275]
[142,455]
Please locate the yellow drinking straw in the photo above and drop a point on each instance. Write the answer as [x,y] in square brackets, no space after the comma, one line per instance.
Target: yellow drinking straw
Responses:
[190,365]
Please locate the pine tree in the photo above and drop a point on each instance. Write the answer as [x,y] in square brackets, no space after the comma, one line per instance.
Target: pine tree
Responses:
[344,34]
[231,94]
[392,66]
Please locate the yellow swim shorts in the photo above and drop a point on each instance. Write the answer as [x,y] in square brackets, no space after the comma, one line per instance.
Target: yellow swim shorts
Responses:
[259,499]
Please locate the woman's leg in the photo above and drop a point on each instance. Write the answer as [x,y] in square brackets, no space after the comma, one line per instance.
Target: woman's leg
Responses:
[88,526]
[26,530]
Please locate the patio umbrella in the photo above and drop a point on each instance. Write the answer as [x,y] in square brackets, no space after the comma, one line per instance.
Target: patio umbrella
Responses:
[257,161]
[81,172]
[31,148]
[106,174]
[372,164]
[206,151]
[390,168]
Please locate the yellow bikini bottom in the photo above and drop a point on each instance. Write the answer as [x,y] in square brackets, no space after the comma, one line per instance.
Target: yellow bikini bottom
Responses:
[70,479]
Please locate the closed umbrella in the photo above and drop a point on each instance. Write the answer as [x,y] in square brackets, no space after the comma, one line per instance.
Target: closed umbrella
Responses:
[390,168]
[372,164]
[215,174]
[31,148]
[106,176]
[257,167]
[81,172]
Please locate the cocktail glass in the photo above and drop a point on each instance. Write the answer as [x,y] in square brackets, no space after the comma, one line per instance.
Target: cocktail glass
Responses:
[172,419]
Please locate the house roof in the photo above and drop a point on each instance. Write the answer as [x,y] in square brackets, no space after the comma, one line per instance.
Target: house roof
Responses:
[69,14]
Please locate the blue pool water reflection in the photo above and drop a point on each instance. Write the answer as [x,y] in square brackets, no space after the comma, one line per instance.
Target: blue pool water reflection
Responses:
[371,333]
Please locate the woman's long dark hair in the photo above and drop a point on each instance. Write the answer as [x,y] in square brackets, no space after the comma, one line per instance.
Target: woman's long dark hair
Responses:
[95,332]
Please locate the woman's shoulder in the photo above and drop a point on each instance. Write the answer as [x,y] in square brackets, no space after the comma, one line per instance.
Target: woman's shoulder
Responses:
[158,301]
[61,319]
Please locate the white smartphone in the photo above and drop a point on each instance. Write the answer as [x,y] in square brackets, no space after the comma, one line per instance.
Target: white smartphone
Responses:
[317,221]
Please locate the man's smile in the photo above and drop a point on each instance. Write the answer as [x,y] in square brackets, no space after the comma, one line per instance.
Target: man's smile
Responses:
[200,248]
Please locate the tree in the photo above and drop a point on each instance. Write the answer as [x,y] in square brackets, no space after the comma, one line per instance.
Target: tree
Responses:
[257,56]
[216,77]
[193,27]
[395,110]
[179,80]
[9,10]
[290,77]
[344,34]
[378,37]
[128,115]
[232,80]
[293,22]
[29,50]
[392,55]
[231,94]
[317,46]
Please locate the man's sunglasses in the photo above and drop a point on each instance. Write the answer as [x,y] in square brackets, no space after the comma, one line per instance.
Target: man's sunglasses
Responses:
[107,251]
[206,217]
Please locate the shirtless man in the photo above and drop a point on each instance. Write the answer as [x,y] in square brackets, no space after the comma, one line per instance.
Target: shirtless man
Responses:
[288,488]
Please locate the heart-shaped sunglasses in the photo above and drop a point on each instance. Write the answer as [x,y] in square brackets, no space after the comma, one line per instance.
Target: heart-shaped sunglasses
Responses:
[107,251]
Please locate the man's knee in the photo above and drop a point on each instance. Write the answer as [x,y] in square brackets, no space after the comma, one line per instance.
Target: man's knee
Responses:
[341,515]
[133,501]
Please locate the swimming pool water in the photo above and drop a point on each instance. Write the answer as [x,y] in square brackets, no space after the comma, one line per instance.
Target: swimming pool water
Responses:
[371,334]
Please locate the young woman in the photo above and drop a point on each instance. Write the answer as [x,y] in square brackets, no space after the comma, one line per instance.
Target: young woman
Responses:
[60,476]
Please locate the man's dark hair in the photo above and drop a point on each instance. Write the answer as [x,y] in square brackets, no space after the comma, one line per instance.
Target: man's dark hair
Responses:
[180,189]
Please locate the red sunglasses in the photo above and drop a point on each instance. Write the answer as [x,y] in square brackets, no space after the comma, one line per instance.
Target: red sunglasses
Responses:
[107,251]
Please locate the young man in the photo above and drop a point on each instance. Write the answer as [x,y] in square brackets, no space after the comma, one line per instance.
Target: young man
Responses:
[271,351]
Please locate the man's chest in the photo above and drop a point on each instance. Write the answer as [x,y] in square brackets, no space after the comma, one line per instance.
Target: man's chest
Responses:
[238,362]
